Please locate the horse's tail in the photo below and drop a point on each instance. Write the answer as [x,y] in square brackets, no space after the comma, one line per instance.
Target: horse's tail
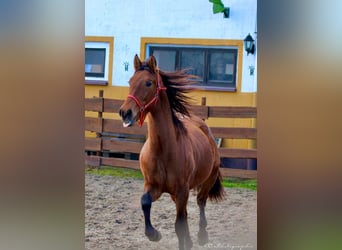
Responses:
[216,193]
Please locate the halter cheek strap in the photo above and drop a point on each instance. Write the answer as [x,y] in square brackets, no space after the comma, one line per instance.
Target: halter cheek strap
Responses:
[144,107]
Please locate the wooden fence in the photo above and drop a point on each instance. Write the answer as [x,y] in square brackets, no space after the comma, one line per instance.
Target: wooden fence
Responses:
[115,145]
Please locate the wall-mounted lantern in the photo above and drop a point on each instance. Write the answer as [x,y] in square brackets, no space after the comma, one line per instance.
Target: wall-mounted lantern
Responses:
[249,44]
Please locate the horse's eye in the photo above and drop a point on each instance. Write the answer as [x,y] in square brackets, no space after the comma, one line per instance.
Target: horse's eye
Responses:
[148,84]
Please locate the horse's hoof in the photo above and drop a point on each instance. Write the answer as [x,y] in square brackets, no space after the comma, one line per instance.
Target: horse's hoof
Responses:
[153,235]
[202,237]
[188,245]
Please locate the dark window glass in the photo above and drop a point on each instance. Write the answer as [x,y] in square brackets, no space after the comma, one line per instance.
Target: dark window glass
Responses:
[95,62]
[167,59]
[222,69]
[215,67]
[194,61]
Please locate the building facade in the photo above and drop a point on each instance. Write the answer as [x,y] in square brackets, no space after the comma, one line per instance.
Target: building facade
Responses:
[180,34]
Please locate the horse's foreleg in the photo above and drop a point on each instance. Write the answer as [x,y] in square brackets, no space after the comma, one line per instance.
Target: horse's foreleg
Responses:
[181,225]
[150,231]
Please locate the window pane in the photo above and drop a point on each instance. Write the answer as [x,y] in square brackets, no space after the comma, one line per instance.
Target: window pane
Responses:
[95,62]
[193,60]
[222,68]
[166,59]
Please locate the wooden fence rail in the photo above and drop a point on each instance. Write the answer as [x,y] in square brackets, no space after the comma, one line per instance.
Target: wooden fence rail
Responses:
[112,138]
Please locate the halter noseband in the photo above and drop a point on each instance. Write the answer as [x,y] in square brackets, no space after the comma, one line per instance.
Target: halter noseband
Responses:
[154,100]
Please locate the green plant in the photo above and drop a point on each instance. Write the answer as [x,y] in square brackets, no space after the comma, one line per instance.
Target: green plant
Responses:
[217,6]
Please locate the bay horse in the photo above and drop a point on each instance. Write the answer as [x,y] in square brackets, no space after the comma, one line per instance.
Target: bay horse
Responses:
[180,152]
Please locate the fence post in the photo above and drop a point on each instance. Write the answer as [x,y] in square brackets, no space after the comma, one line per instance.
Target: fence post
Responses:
[204,101]
[100,115]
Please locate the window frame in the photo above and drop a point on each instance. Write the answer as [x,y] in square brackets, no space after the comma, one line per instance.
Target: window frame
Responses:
[183,43]
[206,82]
[107,43]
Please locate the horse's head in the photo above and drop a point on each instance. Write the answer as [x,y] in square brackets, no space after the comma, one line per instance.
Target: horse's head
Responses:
[144,87]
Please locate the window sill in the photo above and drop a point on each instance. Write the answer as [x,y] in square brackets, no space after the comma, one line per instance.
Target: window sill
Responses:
[213,88]
[96,82]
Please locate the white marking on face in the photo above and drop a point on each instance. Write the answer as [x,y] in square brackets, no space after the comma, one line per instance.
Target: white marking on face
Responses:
[126,124]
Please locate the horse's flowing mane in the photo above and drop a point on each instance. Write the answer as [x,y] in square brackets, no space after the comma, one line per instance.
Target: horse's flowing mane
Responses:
[177,85]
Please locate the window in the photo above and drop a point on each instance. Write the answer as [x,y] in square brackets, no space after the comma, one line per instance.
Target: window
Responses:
[98,60]
[95,62]
[216,67]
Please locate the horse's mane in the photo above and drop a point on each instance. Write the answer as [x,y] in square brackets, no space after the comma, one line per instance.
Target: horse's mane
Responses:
[177,85]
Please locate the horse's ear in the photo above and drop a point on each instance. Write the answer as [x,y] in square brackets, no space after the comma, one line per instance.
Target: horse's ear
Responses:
[152,63]
[137,62]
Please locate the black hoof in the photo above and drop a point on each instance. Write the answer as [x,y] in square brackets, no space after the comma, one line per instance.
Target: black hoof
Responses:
[153,235]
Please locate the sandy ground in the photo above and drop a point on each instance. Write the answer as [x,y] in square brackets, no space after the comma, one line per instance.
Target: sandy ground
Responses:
[114,219]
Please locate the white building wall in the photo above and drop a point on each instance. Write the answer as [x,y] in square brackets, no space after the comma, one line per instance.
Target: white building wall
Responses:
[128,21]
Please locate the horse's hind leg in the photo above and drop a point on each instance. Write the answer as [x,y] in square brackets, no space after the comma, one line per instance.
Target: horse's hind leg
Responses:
[202,233]
[150,231]
[181,225]
[202,198]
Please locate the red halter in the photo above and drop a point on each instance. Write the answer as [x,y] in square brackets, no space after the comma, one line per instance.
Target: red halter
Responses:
[144,107]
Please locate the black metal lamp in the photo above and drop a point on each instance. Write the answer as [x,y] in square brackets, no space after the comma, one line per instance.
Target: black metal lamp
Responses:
[249,44]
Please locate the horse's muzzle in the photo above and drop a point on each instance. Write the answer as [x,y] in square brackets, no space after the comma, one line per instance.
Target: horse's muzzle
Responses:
[127,117]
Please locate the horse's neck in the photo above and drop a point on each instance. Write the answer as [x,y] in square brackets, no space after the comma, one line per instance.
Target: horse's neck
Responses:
[160,125]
